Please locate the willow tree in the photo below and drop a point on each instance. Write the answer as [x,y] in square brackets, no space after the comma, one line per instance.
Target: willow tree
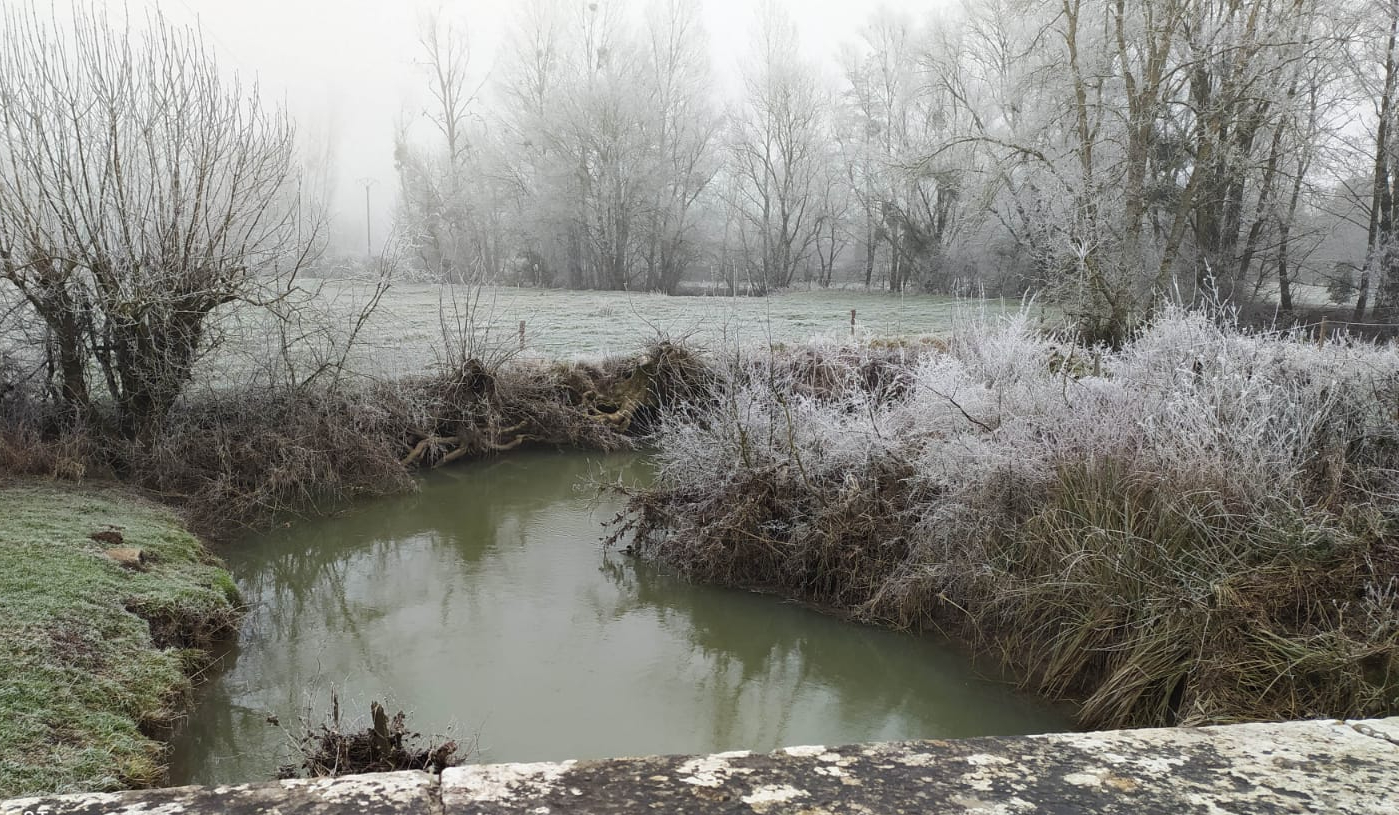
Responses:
[141,190]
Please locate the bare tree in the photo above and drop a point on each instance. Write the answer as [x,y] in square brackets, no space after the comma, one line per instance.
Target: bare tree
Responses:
[450,205]
[608,131]
[140,190]
[530,78]
[776,152]
[833,206]
[684,126]
[1141,149]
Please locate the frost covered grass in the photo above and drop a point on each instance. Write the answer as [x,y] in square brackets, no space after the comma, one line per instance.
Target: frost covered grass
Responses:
[1199,527]
[405,333]
[95,656]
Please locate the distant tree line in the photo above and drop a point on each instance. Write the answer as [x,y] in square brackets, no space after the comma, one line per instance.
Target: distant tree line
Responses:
[1112,152]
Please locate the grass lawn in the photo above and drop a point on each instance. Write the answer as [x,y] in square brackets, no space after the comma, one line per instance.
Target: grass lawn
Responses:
[94,656]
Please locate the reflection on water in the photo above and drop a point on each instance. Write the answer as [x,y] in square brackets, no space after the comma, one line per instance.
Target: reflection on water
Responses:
[485,603]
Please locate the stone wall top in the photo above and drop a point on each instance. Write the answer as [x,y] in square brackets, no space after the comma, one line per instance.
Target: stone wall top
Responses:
[1319,766]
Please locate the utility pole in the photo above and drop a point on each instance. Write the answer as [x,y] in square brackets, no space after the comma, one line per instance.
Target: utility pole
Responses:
[368,223]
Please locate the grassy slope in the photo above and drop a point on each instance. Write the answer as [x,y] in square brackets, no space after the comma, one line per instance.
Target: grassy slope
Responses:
[80,673]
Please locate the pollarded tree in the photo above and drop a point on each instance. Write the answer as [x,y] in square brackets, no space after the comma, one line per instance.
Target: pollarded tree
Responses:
[140,190]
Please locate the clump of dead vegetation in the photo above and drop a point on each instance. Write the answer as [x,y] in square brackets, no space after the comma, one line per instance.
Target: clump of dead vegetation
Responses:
[1198,527]
[384,744]
[233,456]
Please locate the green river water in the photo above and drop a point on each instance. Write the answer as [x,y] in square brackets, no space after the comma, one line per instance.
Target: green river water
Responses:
[486,608]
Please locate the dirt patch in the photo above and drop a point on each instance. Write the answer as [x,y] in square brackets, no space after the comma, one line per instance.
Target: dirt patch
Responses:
[77,643]
[184,628]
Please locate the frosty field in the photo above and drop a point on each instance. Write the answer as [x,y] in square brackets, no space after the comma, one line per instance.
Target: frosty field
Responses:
[415,323]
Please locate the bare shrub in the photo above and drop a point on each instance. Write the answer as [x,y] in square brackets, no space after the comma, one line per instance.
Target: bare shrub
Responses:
[247,456]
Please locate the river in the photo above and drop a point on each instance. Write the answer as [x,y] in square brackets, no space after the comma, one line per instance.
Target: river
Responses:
[485,607]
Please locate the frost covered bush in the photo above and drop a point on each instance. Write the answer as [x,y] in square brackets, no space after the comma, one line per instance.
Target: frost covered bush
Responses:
[792,449]
[1193,528]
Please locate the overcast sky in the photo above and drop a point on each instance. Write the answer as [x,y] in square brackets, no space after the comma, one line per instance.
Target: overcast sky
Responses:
[347,65]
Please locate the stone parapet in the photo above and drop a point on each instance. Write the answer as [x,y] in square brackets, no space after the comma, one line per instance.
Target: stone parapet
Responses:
[1317,766]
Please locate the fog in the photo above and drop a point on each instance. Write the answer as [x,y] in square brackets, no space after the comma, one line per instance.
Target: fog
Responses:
[350,70]
[1102,155]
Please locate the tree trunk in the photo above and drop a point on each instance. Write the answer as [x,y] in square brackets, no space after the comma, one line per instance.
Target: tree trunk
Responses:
[869,248]
[67,337]
[1265,197]
[1380,233]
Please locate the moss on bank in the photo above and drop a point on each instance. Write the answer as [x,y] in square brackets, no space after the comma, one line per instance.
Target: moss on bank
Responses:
[96,655]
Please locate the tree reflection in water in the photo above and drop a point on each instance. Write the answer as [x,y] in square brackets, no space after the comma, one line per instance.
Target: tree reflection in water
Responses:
[777,673]
[486,601]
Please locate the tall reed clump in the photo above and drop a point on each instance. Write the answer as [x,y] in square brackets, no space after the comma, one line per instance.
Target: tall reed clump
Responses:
[1199,527]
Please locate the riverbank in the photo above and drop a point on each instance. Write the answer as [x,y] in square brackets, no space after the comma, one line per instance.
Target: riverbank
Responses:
[98,653]
[237,458]
[107,608]
[89,683]
[1198,528]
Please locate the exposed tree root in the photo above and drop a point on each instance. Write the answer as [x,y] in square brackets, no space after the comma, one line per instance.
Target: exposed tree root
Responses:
[237,458]
[477,412]
[385,745]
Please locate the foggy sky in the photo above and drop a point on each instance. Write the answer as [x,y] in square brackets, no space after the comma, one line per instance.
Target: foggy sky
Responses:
[346,67]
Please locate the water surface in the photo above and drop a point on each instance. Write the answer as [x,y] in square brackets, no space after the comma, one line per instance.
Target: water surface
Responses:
[486,605]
